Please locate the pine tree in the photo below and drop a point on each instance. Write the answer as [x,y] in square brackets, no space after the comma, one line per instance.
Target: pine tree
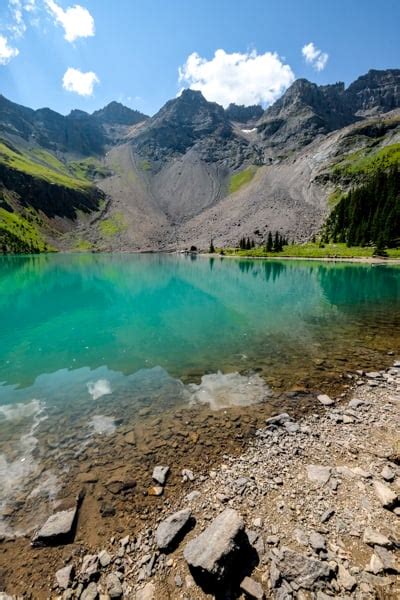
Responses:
[212,249]
[269,242]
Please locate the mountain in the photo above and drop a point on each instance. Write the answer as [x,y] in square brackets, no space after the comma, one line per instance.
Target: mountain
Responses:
[194,171]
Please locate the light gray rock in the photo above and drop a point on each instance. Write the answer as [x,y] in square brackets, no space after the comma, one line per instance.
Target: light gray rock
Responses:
[64,576]
[345,580]
[171,528]
[252,588]
[387,559]
[374,538]
[274,574]
[387,473]
[279,419]
[104,558]
[318,473]
[193,495]
[373,375]
[211,553]
[291,427]
[160,474]
[328,514]
[57,529]
[325,400]
[302,570]
[356,403]
[114,587]
[317,541]
[386,496]
[90,567]
[187,475]
[146,593]
[90,593]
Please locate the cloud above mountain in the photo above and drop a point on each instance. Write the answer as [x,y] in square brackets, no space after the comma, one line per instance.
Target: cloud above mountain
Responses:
[314,56]
[240,78]
[7,52]
[81,83]
[76,21]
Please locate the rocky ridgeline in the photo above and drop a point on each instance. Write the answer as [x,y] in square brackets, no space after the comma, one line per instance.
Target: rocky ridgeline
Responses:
[310,511]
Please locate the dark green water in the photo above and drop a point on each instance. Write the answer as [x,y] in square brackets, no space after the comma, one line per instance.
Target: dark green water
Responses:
[88,336]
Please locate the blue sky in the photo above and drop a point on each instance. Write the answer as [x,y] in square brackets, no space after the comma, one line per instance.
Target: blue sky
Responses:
[131,50]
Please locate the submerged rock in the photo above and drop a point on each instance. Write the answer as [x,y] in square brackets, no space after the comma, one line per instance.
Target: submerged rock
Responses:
[172,528]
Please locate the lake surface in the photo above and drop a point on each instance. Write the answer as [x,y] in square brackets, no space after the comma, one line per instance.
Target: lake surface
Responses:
[92,345]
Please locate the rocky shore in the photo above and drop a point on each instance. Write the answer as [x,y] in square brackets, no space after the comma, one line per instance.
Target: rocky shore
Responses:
[310,510]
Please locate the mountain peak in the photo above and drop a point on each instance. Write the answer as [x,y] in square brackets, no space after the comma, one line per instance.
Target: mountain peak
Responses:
[116,113]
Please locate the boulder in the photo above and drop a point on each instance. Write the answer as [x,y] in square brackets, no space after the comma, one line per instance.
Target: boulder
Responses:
[172,528]
[64,576]
[58,529]
[212,554]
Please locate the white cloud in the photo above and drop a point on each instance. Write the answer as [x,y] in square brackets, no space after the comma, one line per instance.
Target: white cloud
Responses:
[314,56]
[76,20]
[248,78]
[18,27]
[80,83]
[6,52]
[30,5]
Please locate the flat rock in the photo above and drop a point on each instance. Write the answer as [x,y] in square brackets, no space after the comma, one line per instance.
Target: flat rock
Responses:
[117,485]
[252,588]
[301,569]
[114,587]
[146,593]
[374,538]
[171,529]
[388,560]
[278,419]
[64,576]
[57,529]
[211,553]
[325,400]
[318,473]
[160,474]
[104,558]
[386,496]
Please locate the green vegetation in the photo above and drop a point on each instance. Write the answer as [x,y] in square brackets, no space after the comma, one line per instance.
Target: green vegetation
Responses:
[145,165]
[113,225]
[368,214]
[367,162]
[83,246]
[238,180]
[88,169]
[40,164]
[20,234]
[312,250]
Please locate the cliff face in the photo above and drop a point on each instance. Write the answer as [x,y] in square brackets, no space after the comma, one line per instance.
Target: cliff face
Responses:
[377,91]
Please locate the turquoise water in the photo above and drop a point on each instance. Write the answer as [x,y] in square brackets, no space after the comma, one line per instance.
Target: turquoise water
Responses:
[87,338]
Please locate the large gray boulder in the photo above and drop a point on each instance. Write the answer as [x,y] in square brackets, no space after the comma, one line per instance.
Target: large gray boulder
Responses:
[57,529]
[211,555]
[305,572]
[172,528]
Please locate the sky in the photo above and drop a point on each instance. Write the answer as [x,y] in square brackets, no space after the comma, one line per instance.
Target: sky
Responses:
[68,54]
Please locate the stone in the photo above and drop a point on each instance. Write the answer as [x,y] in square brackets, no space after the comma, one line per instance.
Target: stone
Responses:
[90,593]
[328,514]
[178,581]
[211,554]
[345,580]
[374,538]
[318,473]
[64,576]
[302,570]
[90,567]
[386,496]
[325,400]
[274,574]
[160,474]
[291,427]
[187,475]
[278,419]
[375,565]
[317,541]
[301,536]
[146,593]
[193,495]
[114,587]
[104,558]
[387,559]
[355,403]
[117,485]
[387,473]
[171,529]
[155,490]
[373,375]
[252,588]
[130,438]
[58,528]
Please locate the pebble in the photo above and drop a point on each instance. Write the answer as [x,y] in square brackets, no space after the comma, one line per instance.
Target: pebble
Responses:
[160,474]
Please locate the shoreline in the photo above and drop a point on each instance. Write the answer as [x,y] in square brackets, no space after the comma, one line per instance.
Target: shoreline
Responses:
[355,259]
[269,485]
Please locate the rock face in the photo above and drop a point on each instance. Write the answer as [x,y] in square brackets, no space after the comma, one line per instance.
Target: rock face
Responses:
[211,555]
[116,113]
[244,114]
[58,529]
[172,528]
